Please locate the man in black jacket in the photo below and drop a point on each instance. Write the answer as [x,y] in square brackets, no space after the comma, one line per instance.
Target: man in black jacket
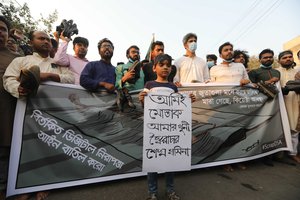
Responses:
[157,48]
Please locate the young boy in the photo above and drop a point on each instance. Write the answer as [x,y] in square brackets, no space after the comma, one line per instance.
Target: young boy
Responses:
[162,67]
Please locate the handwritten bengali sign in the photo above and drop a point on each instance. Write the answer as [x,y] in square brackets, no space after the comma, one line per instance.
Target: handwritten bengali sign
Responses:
[167,132]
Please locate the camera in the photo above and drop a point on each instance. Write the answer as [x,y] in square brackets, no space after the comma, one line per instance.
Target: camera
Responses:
[68,28]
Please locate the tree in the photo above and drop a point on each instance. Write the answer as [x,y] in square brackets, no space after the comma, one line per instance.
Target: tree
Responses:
[20,18]
[253,62]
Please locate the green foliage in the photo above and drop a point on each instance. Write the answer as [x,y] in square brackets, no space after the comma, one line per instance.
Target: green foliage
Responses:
[20,17]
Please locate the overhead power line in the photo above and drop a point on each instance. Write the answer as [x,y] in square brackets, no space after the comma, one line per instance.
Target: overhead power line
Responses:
[241,19]
[252,25]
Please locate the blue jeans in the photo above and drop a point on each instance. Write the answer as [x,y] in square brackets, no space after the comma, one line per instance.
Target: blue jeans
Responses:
[152,182]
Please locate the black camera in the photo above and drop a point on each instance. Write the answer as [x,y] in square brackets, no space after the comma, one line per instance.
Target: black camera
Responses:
[136,67]
[67,27]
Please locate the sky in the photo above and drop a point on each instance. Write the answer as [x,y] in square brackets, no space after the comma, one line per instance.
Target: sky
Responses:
[251,25]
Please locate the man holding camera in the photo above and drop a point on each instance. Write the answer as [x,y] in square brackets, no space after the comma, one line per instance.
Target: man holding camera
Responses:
[77,62]
[129,77]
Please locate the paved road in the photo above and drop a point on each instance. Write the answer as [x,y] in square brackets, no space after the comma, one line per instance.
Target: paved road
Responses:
[257,182]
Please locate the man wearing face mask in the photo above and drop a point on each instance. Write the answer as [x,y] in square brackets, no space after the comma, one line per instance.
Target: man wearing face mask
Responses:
[288,71]
[190,68]
[265,72]
[128,77]
[211,60]
[228,71]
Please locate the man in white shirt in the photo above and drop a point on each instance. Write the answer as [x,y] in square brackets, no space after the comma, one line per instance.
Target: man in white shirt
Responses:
[49,71]
[228,71]
[190,68]
[288,70]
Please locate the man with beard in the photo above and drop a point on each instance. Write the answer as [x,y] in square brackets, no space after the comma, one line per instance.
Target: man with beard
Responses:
[190,68]
[40,42]
[100,75]
[47,71]
[77,62]
[288,71]
[7,107]
[229,71]
[129,77]
[265,72]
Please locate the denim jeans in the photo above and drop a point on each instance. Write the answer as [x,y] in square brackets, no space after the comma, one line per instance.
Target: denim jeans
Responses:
[152,182]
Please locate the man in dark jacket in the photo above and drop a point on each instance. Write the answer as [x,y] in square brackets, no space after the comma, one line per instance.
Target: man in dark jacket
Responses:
[7,107]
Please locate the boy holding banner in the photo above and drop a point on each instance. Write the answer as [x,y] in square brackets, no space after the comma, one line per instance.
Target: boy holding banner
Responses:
[162,67]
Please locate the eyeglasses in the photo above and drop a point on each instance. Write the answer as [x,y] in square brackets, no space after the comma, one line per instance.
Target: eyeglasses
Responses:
[106,46]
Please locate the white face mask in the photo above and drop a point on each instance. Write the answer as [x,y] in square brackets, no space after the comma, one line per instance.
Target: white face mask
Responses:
[192,46]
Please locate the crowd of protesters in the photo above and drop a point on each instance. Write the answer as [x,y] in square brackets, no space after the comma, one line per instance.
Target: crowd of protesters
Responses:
[47,60]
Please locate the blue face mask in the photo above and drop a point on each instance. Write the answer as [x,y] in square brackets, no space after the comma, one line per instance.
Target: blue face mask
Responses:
[192,46]
[210,64]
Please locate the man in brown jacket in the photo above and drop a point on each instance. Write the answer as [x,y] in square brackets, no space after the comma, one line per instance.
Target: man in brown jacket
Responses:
[7,107]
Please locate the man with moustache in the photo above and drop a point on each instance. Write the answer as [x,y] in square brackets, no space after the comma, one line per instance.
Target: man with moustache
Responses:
[128,79]
[7,106]
[157,48]
[39,61]
[229,71]
[288,71]
[42,66]
[265,72]
[100,75]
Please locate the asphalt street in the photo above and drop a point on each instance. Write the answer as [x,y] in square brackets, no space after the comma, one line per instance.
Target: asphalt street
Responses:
[258,182]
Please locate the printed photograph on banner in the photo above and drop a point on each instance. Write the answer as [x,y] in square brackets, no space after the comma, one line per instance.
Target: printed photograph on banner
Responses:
[167,132]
